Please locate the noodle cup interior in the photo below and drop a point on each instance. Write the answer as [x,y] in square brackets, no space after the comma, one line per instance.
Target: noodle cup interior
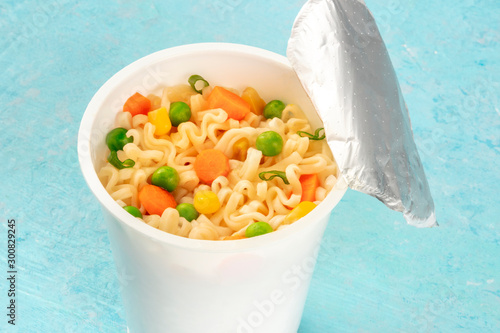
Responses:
[230,65]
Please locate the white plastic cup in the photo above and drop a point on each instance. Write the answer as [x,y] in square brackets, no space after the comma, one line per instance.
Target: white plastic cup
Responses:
[174,284]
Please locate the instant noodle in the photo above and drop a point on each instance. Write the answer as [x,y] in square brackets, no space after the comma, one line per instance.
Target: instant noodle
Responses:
[237,162]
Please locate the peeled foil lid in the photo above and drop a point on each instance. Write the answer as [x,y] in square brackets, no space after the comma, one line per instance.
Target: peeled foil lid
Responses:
[341,60]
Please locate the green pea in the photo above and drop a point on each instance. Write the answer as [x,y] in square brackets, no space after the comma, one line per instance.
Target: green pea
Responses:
[165,177]
[117,139]
[257,229]
[134,211]
[274,109]
[179,113]
[187,211]
[269,143]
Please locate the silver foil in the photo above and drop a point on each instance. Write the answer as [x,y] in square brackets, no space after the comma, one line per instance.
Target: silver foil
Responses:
[341,60]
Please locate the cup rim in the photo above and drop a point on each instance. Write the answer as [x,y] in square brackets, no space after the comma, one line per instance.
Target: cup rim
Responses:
[107,202]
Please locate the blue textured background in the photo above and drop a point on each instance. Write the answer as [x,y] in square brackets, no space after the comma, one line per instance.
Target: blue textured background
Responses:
[375,273]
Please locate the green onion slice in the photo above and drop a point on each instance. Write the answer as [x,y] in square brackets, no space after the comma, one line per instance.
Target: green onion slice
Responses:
[193,79]
[115,161]
[270,175]
[314,136]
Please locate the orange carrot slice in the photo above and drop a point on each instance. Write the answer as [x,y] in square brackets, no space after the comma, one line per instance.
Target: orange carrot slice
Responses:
[235,106]
[155,199]
[137,104]
[309,185]
[210,164]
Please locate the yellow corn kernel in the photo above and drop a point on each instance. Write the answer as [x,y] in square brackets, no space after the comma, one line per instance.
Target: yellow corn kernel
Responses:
[160,119]
[257,104]
[299,212]
[240,149]
[206,202]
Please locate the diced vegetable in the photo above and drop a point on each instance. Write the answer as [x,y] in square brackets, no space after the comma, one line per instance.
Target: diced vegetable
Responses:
[134,211]
[206,202]
[270,175]
[155,101]
[210,164]
[257,104]
[257,229]
[309,185]
[115,161]
[161,120]
[302,209]
[240,149]
[179,113]
[315,136]
[155,199]
[194,79]
[235,106]
[187,211]
[117,138]
[269,143]
[274,109]
[165,177]
[137,104]
[179,92]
